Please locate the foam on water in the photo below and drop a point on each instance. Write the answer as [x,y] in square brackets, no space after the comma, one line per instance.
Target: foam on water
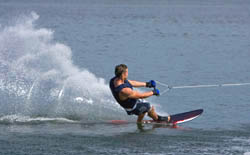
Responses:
[243,144]
[26,119]
[38,78]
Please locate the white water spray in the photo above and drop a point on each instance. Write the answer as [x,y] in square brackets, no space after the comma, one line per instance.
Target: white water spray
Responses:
[38,78]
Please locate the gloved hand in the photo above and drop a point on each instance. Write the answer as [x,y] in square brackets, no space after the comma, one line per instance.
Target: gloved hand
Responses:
[151,84]
[156,92]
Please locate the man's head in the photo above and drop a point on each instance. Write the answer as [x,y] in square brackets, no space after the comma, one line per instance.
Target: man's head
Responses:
[121,71]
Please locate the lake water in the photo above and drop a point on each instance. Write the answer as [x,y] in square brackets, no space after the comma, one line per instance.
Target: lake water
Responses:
[56,58]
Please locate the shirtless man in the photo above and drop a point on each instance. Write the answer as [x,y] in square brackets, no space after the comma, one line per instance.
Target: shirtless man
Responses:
[129,99]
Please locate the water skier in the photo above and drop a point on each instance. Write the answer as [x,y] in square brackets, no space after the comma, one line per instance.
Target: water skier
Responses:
[129,99]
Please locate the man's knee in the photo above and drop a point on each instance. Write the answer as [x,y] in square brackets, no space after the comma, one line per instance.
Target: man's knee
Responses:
[152,109]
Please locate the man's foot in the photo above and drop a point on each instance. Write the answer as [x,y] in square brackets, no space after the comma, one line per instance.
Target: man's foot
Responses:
[164,118]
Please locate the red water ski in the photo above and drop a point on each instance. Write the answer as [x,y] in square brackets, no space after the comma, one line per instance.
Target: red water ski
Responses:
[180,118]
[174,119]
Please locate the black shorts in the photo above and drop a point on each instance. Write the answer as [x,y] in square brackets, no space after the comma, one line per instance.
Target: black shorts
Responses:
[141,107]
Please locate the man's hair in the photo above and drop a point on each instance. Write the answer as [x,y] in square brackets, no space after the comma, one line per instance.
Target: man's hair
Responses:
[119,69]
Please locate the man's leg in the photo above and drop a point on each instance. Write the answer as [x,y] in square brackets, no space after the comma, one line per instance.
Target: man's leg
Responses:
[156,117]
[140,118]
[141,110]
[153,114]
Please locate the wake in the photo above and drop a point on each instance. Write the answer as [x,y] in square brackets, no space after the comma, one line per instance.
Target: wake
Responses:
[39,80]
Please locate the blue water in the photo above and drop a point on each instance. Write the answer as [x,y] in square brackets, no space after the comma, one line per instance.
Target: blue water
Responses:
[56,58]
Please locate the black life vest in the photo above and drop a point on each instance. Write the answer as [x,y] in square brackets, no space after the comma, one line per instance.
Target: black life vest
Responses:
[126,104]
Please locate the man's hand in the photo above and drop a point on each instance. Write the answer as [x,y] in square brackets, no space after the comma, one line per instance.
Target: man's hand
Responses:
[156,92]
[151,84]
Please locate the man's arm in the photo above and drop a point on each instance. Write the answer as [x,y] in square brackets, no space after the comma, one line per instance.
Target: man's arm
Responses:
[129,93]
[137,83]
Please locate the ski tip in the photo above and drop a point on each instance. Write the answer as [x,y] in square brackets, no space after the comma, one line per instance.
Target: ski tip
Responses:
[200,110]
